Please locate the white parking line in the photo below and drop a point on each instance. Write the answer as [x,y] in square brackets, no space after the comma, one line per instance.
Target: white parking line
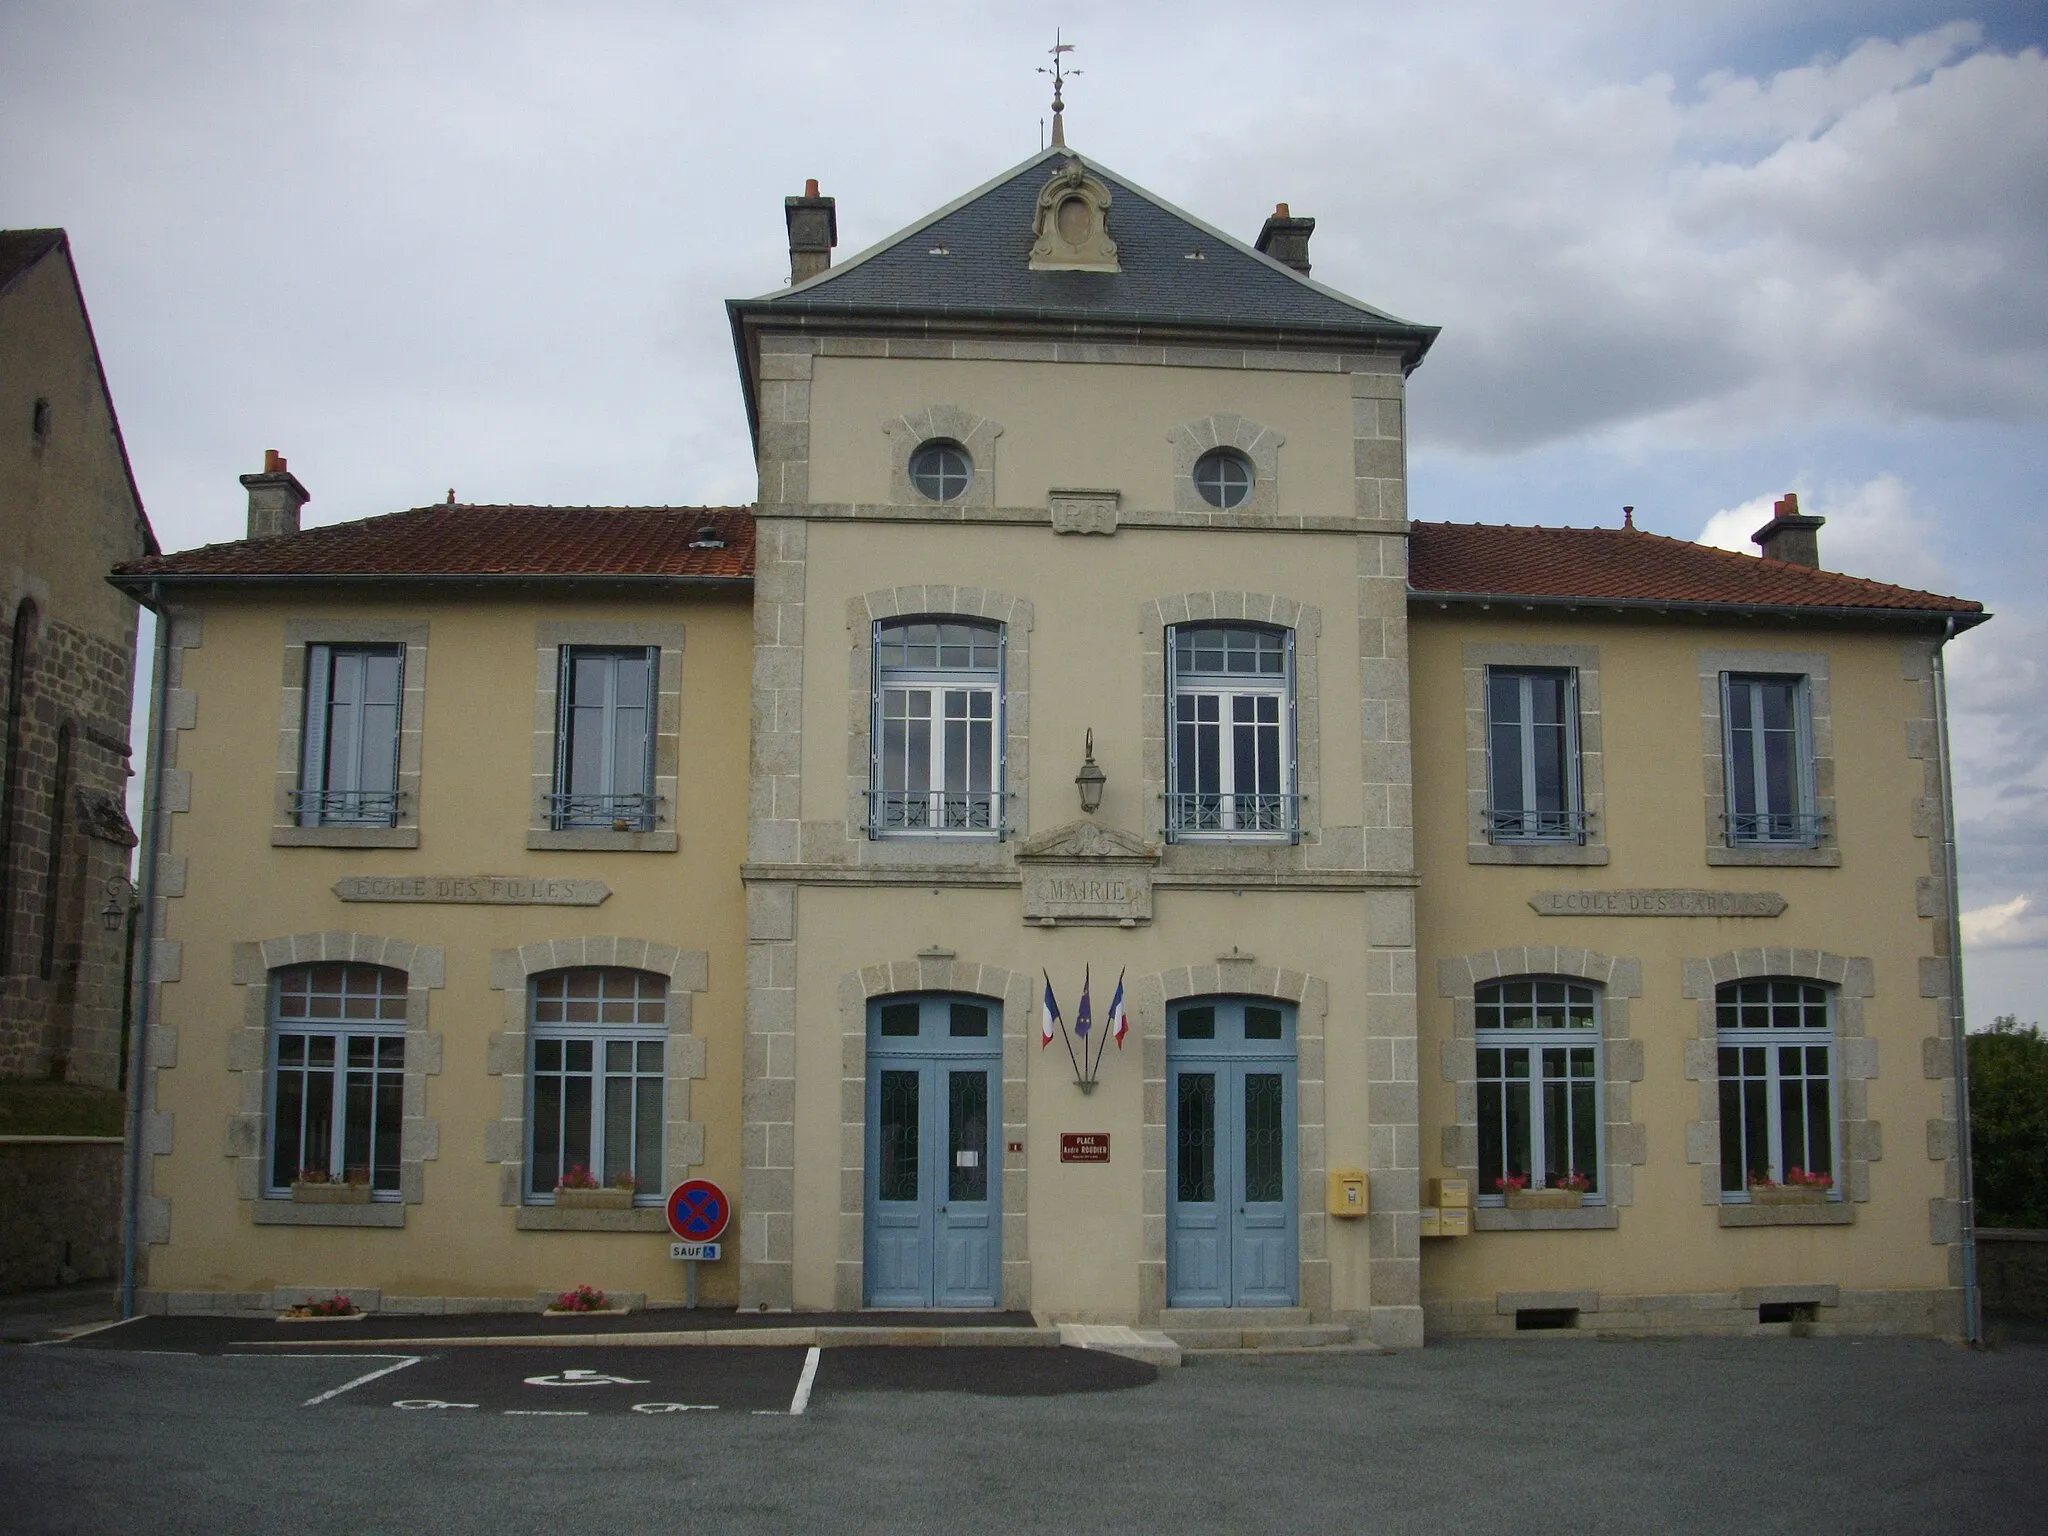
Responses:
[802,1400]
[347,1386]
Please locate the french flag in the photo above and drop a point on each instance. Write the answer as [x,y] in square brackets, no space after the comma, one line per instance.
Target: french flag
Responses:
[1048,1016]
[1119,1021]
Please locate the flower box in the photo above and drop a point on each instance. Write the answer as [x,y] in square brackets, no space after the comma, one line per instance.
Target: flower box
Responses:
[321,1317]
[593,1199]
[584,1311]
[330,1194]
[1545,1199]
[1788,1194]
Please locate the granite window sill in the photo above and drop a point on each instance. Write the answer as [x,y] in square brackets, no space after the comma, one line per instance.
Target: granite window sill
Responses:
[1536,853]
[1833,1213]
[288,1213]
[1775,858]
[546,1218]
[1587,1218]
[344,837]
[592,840]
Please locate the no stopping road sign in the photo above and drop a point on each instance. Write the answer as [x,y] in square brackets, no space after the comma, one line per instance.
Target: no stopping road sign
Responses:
[698,1211]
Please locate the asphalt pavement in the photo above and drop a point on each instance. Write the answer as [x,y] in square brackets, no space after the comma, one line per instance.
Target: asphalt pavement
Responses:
[1791,1435]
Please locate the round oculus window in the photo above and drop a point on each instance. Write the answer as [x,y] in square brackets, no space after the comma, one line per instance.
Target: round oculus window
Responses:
[941,470]
[1224,478]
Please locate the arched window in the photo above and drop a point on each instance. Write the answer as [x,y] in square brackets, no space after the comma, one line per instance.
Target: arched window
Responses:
[597,1052]
[938,728]
[1538,1043]
[19,671]
[337,1076]
[53,860]
[1776,1039]
[1230,738]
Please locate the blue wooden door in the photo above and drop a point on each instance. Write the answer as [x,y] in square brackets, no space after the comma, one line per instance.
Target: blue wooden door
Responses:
[1231,1165]
[934,1170]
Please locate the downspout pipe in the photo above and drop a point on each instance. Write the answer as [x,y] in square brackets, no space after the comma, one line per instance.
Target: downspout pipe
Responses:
[1973,1301]
[145,1005]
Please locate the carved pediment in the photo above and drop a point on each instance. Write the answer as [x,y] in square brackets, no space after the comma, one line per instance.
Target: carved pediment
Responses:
[1070,226]
[1088,840]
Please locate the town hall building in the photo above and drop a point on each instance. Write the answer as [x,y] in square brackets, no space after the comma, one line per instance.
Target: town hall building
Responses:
[1077,844]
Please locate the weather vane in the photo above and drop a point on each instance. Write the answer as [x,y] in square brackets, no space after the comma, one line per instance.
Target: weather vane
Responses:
[1059,73]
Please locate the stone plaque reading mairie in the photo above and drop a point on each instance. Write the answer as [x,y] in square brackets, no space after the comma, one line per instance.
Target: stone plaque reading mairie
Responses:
[474,890]
[1087,873]
[1655,903]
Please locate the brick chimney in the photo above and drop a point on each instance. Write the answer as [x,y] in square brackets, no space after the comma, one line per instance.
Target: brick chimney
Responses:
[275,497]
[1789,535]
[1285,238]
[813,231]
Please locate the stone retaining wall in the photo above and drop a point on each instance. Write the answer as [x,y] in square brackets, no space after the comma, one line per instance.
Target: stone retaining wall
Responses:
[60,1210]
[2012,1268]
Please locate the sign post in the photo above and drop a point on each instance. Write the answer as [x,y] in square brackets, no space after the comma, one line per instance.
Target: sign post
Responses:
[697,1213]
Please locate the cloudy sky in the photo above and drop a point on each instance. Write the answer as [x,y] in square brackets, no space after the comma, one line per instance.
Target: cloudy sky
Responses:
[1686,256]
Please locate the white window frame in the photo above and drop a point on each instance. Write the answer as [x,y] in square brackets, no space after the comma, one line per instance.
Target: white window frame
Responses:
[599,1035]
[1186,814]
[1771,1040]
[1565,823]
[605,808]
[392,985]
[1770,826]
[1539,1041]
[938,813]
[331,793]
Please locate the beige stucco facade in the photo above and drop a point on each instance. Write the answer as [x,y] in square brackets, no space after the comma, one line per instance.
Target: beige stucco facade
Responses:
[244,900]
[1863,913]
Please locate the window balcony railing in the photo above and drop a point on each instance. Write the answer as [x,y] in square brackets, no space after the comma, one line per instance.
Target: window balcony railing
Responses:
[934,811]
[1538,826]
[1206,815]
[603,813]
[1777,829]
[345,807]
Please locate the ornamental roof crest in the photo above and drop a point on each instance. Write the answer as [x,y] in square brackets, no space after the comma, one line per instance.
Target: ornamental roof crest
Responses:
[1070,225]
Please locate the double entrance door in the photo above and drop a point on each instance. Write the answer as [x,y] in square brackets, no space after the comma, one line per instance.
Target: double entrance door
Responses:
[1231,1172]
[934,1165]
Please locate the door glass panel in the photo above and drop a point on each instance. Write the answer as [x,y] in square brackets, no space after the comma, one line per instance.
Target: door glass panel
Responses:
[1197,1135]
[899,1018]
[1197,1024]
[1265,1176]
[1262,1023]
[969,1020]
[967,1134]
[897,1131]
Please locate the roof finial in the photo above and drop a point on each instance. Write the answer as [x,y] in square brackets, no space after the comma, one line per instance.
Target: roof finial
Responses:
[1628,517]
[1059,73]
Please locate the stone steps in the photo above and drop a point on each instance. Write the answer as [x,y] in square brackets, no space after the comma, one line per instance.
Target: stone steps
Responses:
[1259,1329]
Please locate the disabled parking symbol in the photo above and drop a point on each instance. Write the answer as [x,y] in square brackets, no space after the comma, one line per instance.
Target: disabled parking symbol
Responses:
[583,1378]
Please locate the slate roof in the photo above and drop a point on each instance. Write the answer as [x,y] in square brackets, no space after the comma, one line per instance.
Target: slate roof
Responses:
[1471,561]
[482,542]
[21,249]
[988,233]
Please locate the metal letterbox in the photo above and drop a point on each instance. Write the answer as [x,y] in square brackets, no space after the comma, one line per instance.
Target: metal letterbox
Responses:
[1349,1193]
[1451,1194]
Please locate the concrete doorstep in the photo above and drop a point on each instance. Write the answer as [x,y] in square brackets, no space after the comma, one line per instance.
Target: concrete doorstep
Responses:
[1145,1346]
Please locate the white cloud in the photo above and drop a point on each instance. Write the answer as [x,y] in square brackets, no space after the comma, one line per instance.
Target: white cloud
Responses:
[2016,924]
[1874,529]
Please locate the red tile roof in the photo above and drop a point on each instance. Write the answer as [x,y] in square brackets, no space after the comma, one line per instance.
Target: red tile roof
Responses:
[459,541]
[1626,565]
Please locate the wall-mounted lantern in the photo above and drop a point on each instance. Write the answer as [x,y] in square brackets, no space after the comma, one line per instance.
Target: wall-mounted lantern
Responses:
[1090,779]
[119,903]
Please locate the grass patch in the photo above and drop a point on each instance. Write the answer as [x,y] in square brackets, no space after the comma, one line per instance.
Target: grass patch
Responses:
[30,1108]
